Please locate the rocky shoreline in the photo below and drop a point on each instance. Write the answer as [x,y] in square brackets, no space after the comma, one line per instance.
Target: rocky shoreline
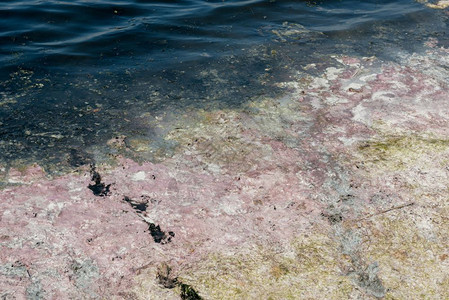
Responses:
[338,190]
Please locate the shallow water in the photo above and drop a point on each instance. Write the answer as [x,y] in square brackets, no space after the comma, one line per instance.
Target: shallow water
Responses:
[76,74]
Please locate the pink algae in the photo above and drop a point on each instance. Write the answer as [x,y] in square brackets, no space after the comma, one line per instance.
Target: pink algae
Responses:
[57,228]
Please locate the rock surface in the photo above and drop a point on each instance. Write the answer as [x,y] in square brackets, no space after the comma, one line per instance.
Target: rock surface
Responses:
[339,190]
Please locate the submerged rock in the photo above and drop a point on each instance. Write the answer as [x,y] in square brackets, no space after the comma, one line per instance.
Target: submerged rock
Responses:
[440,4]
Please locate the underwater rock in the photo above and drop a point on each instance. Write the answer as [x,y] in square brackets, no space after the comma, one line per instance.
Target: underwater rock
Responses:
[291,32]
[117,142]
[441,4]
[78,158]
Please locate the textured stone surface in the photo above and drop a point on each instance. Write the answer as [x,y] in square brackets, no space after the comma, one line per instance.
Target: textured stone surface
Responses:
[336,191]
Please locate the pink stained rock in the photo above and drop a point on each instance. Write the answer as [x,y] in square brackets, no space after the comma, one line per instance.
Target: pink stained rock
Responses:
[26,176]
[339,189]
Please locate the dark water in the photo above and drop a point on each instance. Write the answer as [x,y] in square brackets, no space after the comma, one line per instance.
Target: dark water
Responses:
[74,74]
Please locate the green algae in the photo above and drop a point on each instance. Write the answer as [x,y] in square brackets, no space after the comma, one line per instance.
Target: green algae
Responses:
[414,165]
[235,140]
[310,268]
[409,245]
[216,141]
[398,152]
[413,266]
[188,293]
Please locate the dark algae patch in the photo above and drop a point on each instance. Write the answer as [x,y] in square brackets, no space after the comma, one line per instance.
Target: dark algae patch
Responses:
[98,188]
[333,218]
[167,280]
[139,207]
[188,293]
[158,235]
[164,277]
